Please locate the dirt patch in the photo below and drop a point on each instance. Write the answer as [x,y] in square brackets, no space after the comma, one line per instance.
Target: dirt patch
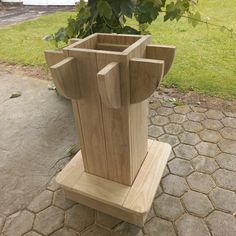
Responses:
[191,97]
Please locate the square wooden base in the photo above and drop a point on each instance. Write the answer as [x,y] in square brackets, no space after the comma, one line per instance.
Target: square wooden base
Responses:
[128,203]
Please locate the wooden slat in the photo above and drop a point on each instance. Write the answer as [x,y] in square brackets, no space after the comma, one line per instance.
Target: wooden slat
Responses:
[74,40]
[161,52]
[111,47]
[65,77]
[109,85]
[145,76]
[53,57]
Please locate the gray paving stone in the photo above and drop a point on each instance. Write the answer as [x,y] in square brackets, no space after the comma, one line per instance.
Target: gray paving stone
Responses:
[32,233]
[18,223]
[166,172]
[228,133]
[151,113]
[160,120]
[173,128]
[167,103]
[214,114]
[192,126]
[150,214]
[226,161]
[49,220]
[2,221]
[229,121]
[222,224]
[168,207]
[197,203]
[225,179]
[172,155]
[184,109]
[159,191]
[196,116]
[157,226]
[65,232]
[200,182]
[40,202]
[223,199]
[210,136]
[79,217]
[60,200]
[126,229]
[228,146]
[230,114]
[95,230]
[180,167]
[212,124]
[190,225]
[204,164]
[189,138]
[185,151]
[106,220]
[53,185]
[207,149]
[174,185]
[177,118]
[171,139]
[154,104]
[198,109]
[155,131]
[165,111]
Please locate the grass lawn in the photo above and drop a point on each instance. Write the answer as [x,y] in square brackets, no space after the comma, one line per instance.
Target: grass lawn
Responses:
[205,61]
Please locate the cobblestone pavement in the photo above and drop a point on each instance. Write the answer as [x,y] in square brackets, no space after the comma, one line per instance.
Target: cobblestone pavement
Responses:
[197,195]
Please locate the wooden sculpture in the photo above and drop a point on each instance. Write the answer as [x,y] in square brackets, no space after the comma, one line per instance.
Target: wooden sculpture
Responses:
[109,77]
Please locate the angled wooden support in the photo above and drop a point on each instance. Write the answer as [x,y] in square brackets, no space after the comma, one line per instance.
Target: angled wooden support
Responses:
[74,40]
[161,52]
[66,79]
[109,85]
[145,76]
[53,57]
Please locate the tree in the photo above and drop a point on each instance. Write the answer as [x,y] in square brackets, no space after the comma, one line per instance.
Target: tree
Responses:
[110,16]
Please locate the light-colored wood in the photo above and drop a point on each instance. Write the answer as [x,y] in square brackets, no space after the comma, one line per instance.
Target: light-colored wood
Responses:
[53,57]
[161,52]
[109,85]
[129,203]
[65,77]
[111,47]
[74,40]
[145,76]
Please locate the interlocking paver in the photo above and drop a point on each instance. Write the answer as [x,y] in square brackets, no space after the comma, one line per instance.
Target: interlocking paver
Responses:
[53,185]
[210,136]
[189,138]
[155,131]
[197,203]
[18,223]
[228,146]
[79,217]
[158,226]
[49,220]
[184,109]
[154,104]
[190,225]
[159,191]
[207,149]
[200,182]
[33,233]
[152,113]
[180,167]
[159,120]
[174,185]
[168,138]
[230,114]
[204,164]
[168,207]
[126,229]
[42,201]
[214,114]
[173,128]
[198,109]
[212,124]
[225,179]
[165,111]
[95,230]
[65,232]
[184,151]
[2,221]
[223,199]
[106,220]
[60,200]
[221,224]
[226,161]
[177,118]
[192,126]
[229,121]
[196,116]
[228,133]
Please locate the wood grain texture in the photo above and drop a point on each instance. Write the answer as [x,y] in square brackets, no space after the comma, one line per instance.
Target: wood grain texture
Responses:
[53,57]
[129,203]
[111,47]
[145,76]
[161,52]
[109,85]
[65,77]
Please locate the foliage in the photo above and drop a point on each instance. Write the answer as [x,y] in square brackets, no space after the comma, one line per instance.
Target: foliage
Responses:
[110,16]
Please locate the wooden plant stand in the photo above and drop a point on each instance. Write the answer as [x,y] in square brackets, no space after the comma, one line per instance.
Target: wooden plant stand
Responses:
[108,78]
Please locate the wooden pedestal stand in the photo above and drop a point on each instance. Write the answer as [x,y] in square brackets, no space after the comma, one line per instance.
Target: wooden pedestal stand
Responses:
[109,77]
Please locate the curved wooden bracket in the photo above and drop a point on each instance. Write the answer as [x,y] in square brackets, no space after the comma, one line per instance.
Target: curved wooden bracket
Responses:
[161,52]
[145,76]
[66,79]
[109,85]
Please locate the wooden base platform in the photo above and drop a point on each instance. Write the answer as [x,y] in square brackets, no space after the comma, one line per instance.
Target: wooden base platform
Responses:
[128,203]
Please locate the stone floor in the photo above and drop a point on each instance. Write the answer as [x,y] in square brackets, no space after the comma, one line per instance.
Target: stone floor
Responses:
[197,195]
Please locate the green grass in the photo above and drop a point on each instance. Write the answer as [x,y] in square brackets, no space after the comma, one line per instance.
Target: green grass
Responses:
[205,58]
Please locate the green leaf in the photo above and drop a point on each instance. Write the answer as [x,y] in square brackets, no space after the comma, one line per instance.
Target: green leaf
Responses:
[104,9]
[127,7]
[15,94]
